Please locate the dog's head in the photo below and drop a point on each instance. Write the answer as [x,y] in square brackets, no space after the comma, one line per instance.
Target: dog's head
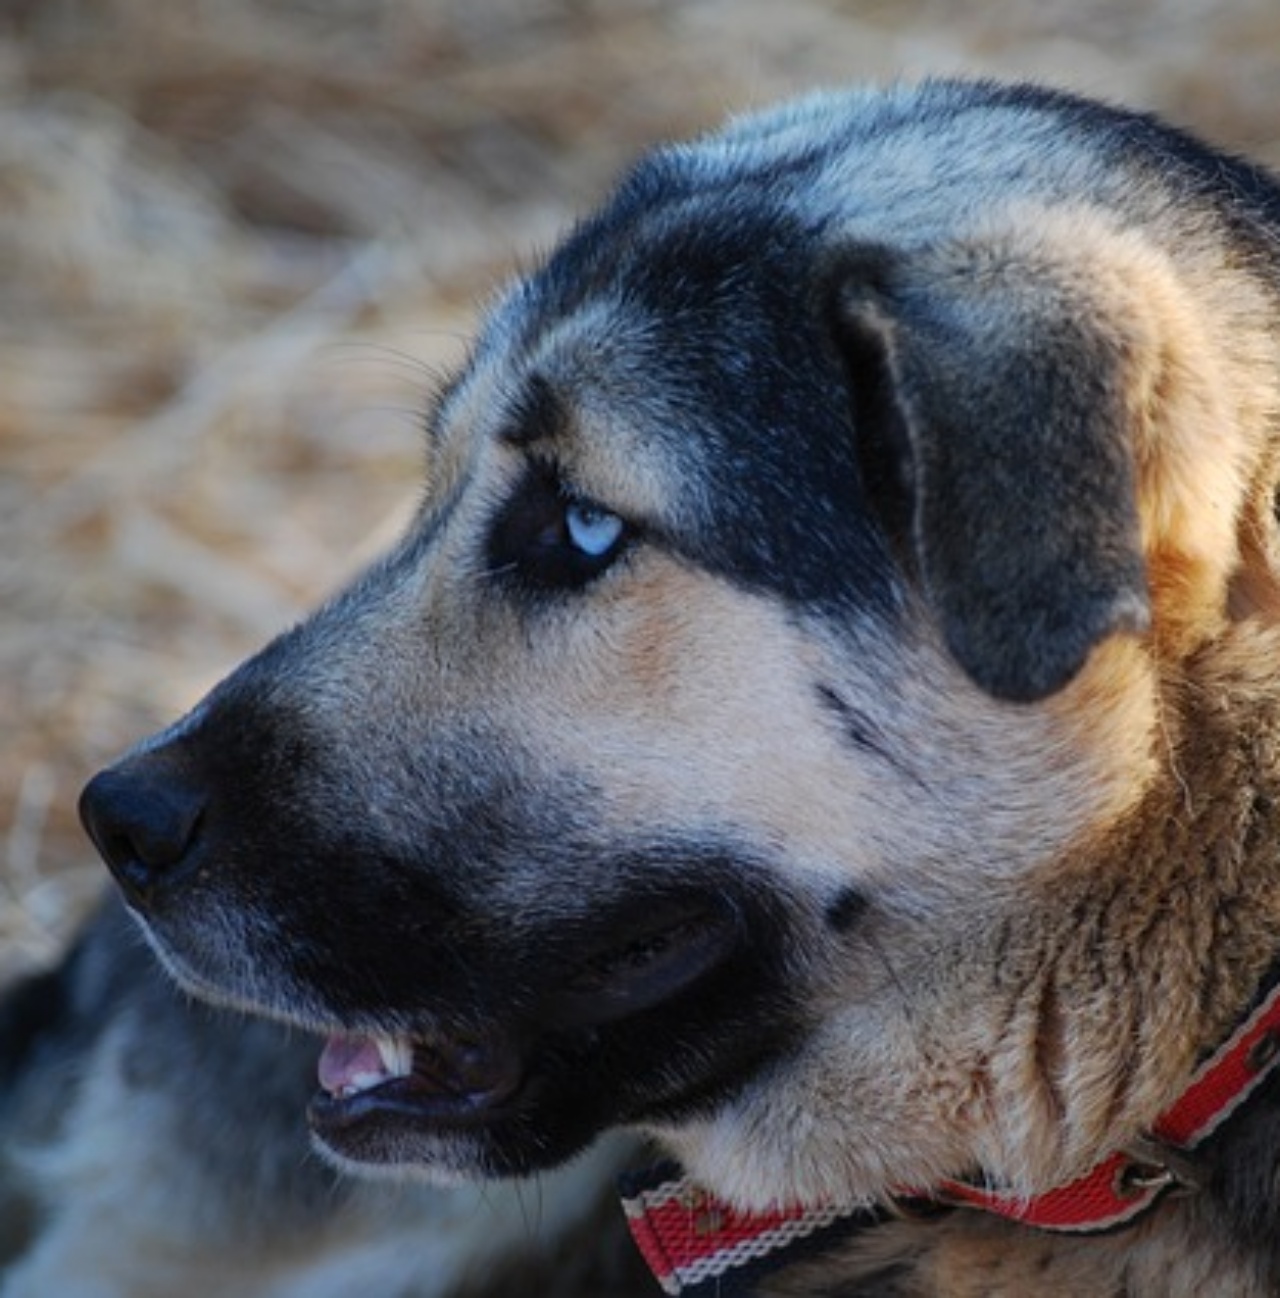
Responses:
[738,743]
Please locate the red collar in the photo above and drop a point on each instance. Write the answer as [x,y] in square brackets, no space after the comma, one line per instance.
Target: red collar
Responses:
[691,1240]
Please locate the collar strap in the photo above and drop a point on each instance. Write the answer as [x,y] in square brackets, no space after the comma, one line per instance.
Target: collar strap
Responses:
[697,1245]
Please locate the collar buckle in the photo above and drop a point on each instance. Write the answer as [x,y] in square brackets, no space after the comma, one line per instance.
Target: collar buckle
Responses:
[1151,1166]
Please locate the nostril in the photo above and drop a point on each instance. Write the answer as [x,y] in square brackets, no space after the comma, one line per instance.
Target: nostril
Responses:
[142,820]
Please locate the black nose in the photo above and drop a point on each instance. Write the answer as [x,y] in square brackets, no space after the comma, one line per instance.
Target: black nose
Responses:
[143,817]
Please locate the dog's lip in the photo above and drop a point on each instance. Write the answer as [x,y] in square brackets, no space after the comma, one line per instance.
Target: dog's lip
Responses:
[648,964]
[460,1080]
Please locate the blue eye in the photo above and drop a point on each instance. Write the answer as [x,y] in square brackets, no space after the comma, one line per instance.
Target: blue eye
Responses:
[593,531]
[546,538]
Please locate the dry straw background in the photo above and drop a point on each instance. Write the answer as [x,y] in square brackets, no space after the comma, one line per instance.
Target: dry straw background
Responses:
[239,237]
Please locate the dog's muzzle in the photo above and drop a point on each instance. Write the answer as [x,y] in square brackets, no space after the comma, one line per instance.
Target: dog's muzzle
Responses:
[445,1019]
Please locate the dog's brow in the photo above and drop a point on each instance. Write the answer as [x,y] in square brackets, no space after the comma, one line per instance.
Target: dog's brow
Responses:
[537,413]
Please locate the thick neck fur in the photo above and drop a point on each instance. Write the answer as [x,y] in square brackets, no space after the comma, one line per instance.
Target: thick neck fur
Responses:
[1175,913]
[1143,951]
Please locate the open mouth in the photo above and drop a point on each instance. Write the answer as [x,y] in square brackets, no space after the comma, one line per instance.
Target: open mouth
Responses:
[450,1080]
[453,1082]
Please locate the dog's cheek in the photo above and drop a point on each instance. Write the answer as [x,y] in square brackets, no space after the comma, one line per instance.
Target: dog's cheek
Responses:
[929,1057]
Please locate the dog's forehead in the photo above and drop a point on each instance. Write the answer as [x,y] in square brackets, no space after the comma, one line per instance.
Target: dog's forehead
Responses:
[665,288]
[714,250]
[671,359]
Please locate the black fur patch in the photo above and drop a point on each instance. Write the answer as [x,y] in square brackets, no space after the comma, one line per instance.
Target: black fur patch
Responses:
[846,910]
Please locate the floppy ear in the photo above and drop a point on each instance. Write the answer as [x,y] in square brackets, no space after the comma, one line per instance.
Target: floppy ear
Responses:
[991,415]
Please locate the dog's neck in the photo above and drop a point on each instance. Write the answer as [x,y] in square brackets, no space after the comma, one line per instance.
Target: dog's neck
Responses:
[1145,947]
[1180,901]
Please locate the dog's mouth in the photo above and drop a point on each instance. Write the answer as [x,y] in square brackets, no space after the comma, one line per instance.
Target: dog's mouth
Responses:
[453,1080]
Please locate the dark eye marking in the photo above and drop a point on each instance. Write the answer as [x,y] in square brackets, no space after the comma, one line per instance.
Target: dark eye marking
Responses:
[546,538]
[538,413]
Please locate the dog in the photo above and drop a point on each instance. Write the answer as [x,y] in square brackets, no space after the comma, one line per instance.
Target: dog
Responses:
[823,717]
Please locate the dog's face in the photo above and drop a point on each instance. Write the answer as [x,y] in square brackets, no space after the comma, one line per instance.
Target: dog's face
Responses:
[777,636]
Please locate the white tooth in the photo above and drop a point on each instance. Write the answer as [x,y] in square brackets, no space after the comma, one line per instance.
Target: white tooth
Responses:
[396,1054]
[363,1082]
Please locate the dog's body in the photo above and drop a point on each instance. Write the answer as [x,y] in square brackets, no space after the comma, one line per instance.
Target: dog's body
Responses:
[824,715]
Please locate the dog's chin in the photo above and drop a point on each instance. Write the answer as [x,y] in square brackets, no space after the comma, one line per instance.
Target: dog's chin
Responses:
[409,1156]
[389,1145]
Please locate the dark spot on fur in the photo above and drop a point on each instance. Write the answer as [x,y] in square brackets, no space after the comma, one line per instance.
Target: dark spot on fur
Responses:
[860,732]
[846,910]
[856,728]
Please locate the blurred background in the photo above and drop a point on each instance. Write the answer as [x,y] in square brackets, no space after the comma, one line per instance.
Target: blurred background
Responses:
[239,239]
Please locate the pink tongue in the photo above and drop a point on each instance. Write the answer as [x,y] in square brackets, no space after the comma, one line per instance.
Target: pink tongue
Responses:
[346,1058]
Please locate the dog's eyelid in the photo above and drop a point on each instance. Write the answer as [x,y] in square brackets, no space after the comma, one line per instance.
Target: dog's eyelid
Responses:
[575,497]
